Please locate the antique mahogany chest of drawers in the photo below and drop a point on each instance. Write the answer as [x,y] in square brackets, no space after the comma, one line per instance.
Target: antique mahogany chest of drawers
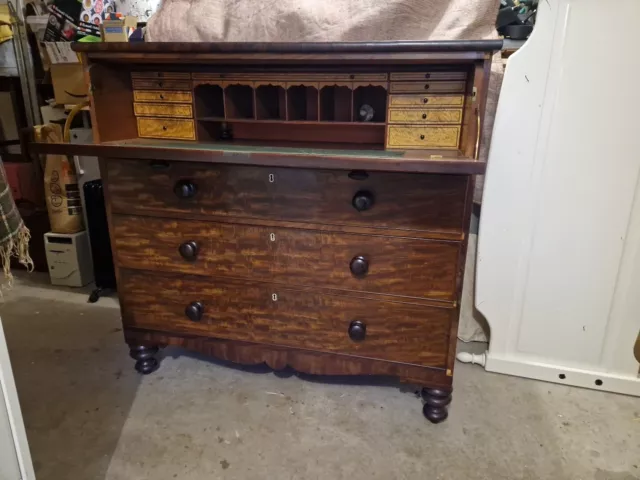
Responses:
[301,205]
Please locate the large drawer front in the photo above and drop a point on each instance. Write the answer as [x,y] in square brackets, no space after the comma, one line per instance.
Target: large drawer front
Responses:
[393,265]
[401,201]
[270,314]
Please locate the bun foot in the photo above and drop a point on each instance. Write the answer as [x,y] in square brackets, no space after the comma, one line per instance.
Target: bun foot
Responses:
[436,402]
[146,363]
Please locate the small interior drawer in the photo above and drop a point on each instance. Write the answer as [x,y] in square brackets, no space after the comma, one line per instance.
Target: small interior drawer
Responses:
[161,96]
[166,128]
[167,75]
[426,116]
[161,83]
[423,137]
[182,110]
[426,87]
[428,76]
[426,101]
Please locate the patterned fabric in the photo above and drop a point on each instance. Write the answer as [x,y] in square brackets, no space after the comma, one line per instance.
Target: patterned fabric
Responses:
[14,235]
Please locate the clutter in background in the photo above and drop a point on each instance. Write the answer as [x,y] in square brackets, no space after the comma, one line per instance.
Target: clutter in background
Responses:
[516,18]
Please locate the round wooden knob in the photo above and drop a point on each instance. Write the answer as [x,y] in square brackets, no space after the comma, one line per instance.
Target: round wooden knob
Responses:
[194,311]
[425,100]
[164,128]
[424,116]
[363,200]
[426,86]
[188,250]
[160,84]
[161,97]
[185,189]
[427,75]
[421,137]
[357,331]
[359,266]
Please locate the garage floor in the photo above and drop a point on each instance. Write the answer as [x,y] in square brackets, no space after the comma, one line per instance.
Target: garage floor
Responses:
[90,416]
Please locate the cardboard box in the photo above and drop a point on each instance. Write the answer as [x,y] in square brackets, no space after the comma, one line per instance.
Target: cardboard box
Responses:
[69,86]
[118,30]
[67,75]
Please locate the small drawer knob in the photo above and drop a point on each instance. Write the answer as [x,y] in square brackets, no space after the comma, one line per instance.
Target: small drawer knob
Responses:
[194,311]
[427,75]
[162,97]
[363,200]
[421,137]
[426,86]
[189,250]
[357,331]
[164,128]
[185,189]
[424,116]
[425,100]
[160,84]
[359,266]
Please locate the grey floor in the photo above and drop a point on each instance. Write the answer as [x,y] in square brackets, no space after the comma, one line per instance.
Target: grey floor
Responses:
[90,416]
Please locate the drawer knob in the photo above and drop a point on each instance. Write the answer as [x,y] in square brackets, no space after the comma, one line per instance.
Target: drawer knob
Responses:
[426,86]
[363,200]
[194,311]
[185,189]
[424,116]
[357,331]
[425,100]
[188,250]
[162,97]
[160,84]
[427,75]
[421,137]
[359,266]
[164,128]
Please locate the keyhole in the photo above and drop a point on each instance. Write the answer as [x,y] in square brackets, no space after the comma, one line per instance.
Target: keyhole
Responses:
[272,178]
[274,297]
[272,237]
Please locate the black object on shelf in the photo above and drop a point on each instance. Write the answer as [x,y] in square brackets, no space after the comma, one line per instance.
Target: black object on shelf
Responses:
[103,269]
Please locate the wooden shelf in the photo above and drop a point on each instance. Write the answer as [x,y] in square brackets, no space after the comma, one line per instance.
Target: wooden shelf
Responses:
[285,122]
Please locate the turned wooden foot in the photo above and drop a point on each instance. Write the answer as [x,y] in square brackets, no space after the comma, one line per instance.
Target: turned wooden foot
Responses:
[146,363]
[435,404]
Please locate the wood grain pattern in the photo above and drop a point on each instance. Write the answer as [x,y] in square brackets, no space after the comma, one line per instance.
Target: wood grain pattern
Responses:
[425,116]
[182,129]
[248,312]
[435,87]
[397,266]
[162,84]
[180,110]
[430,75]
[402,201]
[279,357]
[161,75]
[425,101]
[162,96]
[446,46]
[423,137]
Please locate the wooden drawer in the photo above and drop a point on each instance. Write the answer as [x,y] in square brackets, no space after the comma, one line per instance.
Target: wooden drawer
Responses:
[425,116]
[162,75]
[163,84]
[427,87]
[428,75]
[166,128]
[278,315]
[161,96]
[396,266]
[182,110]
[426,101]
[423,137]
[412,203]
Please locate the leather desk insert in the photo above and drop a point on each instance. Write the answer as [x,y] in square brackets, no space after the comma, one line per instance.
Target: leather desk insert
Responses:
[303,205]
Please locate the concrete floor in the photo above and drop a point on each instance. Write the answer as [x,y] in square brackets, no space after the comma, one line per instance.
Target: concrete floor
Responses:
[90,416]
